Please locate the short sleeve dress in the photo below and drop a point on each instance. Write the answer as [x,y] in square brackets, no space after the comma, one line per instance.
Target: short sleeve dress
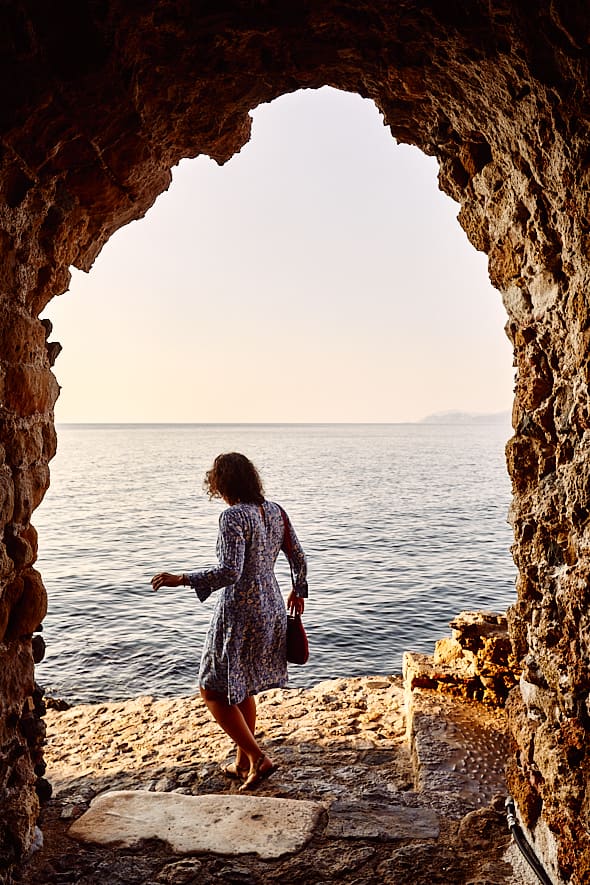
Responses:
[245,651]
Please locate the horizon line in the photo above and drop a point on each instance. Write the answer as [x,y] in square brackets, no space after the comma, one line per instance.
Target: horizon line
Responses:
[202,423]
[429,419]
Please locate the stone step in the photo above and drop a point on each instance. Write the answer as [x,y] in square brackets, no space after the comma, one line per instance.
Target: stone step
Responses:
[458,749]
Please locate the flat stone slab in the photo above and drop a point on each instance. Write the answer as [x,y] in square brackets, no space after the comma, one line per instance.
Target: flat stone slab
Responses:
[385,823]
[220,824]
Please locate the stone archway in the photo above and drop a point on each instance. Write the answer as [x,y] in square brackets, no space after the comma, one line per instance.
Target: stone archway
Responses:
[106,98]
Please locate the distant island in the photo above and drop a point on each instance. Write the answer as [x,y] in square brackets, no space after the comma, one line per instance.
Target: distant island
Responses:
[467,418]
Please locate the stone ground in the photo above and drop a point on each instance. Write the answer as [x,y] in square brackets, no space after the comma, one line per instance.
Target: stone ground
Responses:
[342,743]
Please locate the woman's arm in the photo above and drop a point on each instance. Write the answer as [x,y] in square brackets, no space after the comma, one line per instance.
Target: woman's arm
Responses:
[231,547]
[294,553]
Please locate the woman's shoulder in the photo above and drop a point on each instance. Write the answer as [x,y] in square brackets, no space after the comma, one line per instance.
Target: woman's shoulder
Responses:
[235,514]
[238,513]
[274,509]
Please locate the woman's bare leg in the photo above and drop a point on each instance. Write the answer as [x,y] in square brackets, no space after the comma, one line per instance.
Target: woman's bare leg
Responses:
[248,711]
[235,724]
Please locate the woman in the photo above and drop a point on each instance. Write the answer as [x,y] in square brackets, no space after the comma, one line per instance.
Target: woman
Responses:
[245,650]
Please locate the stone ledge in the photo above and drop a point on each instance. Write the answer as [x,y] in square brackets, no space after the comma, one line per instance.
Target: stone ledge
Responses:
[340,744]
[387,823]
[455,720]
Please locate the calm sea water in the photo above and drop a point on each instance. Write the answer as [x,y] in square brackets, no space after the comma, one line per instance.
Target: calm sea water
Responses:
[403,525]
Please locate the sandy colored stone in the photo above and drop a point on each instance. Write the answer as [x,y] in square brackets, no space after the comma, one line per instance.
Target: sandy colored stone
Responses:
[475,662]
[143,741]
[231,825]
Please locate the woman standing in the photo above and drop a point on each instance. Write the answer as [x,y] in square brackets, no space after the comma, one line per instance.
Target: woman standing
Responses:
[245,646]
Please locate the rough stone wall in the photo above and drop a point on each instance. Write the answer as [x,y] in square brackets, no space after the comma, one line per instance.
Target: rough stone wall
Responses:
[106,95]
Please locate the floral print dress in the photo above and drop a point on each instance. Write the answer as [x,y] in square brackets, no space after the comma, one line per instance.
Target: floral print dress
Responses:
[245,650]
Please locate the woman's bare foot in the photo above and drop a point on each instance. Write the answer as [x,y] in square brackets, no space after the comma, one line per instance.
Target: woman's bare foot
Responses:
[242,761]
[259,771]
[236,772]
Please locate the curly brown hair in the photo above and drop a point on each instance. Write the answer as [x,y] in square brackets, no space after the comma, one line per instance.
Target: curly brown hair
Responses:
[234,478]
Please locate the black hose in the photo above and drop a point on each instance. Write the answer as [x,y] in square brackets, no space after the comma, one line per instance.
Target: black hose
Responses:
[525,849]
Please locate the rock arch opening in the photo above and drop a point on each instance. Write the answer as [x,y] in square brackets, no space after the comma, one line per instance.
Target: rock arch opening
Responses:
[107,98]
[322,246]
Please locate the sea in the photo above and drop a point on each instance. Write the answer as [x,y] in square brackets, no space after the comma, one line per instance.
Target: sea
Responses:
[403,525]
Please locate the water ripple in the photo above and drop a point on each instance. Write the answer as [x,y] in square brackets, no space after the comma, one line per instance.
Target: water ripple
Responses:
[403,525]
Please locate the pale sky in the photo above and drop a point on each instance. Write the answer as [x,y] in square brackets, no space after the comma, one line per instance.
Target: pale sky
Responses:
[320,275]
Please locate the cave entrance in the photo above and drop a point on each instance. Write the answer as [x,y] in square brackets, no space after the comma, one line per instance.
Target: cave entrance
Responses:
[106,101]
[323,259]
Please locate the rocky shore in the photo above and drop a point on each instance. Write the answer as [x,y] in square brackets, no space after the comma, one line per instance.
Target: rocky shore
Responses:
[408,793]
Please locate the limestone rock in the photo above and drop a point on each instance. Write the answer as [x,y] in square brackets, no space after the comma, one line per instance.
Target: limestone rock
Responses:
[476,662]
[459,751]
[374,815]
[387,823]
[230,825]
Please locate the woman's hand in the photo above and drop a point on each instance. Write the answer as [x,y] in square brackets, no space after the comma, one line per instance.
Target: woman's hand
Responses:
[165,579]
[295,603]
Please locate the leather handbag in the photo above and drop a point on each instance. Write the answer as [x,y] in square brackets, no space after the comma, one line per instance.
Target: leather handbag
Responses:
[297,643]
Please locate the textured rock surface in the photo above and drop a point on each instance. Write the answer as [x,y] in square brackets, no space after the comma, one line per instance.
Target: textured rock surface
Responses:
[105,97]
[476,662]
[459,751]
[341,744]
[457,729]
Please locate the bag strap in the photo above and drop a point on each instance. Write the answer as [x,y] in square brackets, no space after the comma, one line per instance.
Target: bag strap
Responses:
[287,542]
